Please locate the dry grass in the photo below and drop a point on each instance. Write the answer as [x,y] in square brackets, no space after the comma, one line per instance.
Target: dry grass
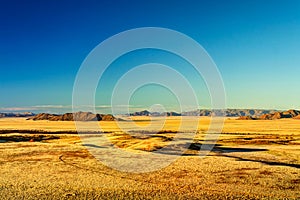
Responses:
[252,160]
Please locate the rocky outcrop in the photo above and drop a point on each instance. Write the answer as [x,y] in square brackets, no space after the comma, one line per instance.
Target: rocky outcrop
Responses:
[295,114]
[42,116]
[107,118]
[247,118]
[78,116]
[297,117]
[281,115]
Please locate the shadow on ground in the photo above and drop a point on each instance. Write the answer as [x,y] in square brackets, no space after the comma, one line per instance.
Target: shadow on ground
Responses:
[225,152]
[27,138]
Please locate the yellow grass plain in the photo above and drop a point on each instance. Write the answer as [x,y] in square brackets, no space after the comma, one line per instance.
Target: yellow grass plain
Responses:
[253,159]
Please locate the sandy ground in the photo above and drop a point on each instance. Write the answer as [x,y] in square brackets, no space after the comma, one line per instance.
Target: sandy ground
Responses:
[251,160]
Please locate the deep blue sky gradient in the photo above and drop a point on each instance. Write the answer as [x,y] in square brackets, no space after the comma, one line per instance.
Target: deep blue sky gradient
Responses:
[255,45]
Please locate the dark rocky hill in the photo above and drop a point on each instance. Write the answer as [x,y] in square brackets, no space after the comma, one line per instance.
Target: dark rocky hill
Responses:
[140,113]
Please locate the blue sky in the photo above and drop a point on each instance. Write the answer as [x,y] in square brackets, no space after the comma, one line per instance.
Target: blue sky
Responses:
[255,45]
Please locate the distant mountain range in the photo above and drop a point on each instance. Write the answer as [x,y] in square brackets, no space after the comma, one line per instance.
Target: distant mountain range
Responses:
[228,112]
[206,112]
[243,114]
[25,114]
[295,114]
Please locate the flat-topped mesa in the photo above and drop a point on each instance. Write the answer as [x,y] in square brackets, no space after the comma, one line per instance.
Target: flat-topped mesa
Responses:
[78,116]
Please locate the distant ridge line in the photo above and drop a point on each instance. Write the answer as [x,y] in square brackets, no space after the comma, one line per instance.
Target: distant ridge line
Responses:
[243,114]
[207,112]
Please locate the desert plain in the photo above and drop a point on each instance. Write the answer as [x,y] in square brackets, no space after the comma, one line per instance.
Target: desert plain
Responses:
[252,159]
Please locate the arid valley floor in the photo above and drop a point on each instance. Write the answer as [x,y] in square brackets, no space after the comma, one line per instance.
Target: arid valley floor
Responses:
[255,159]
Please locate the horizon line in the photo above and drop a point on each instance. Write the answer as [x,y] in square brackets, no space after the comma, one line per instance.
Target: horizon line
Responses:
[56,109]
